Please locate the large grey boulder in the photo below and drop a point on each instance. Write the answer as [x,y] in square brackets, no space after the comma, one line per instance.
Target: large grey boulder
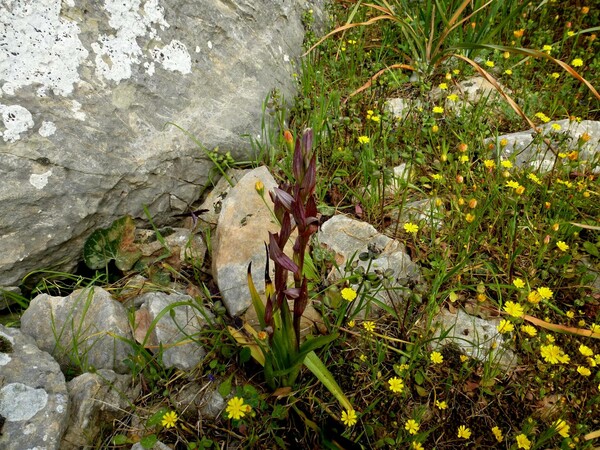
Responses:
[85,329]
[96,400]
[86,89]
[33,394]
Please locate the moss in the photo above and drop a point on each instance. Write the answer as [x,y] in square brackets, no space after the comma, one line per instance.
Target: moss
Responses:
[5,345]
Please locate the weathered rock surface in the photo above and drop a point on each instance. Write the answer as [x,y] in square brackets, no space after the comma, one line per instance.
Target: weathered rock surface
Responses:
[85,329]
[475,337]
[33,394]
[86,89]
[199,400]
[420,211]
[348,238]
[177,329]
[96,400]
[242,230]
[531,151]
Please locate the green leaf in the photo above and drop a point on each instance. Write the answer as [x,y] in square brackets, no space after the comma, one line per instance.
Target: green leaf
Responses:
[113,243]
[259,307]
[225,387]
[316,366]
[149,441]
[591,249]
[156,418]
[421,391]
[120,439]
[245,355]
[419,377]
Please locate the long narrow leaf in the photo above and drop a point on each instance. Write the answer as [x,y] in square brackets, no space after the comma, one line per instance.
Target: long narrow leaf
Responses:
[257,303]
[316,366]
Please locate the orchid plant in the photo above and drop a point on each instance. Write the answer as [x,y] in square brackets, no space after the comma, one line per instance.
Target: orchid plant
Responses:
[278,346]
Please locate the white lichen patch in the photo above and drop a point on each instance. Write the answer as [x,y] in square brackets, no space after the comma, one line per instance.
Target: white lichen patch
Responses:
[38,47]
[4,359]
[116,54]
[76,109]
[39,181]
[16,120]
[47,129]
[21,402]
[174,57]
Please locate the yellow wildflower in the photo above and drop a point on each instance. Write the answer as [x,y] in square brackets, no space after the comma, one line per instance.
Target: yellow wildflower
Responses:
[369,326]
[519,284]
[236,409]
[441,404]
[464,432]
[396,384]
[505,326]
[514,309]
[529,329]
[561,428]
[498,434]
[584,371]
[364,139]
[438,110]
[562,246]
[577,62]
[523,442]
[349,417]
[545,293]
[411,227]
[412,426]
[348,294]
[436,357]
[534,297]
[169,419]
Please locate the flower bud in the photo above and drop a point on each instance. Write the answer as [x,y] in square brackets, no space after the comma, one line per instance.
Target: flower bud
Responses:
[260,188]
[472,203]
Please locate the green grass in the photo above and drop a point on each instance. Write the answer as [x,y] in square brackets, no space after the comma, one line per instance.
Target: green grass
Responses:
[507,235]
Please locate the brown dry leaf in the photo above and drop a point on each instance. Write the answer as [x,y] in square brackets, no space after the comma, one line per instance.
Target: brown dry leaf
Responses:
[281,392]
[471,386]
[548,407]
[561,328]
[142,325]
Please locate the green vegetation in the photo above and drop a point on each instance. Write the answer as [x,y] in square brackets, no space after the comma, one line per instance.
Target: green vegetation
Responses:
[498,239]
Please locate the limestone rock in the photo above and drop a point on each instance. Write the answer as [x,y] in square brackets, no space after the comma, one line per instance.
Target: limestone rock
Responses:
[420,211]
[529,150]
[348,238]
[87,89]
[214,200]
[33,394]
[181,242]
[242,230]
[96,399]
[475,337]
[178,334]
[199,400]
[87,328]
